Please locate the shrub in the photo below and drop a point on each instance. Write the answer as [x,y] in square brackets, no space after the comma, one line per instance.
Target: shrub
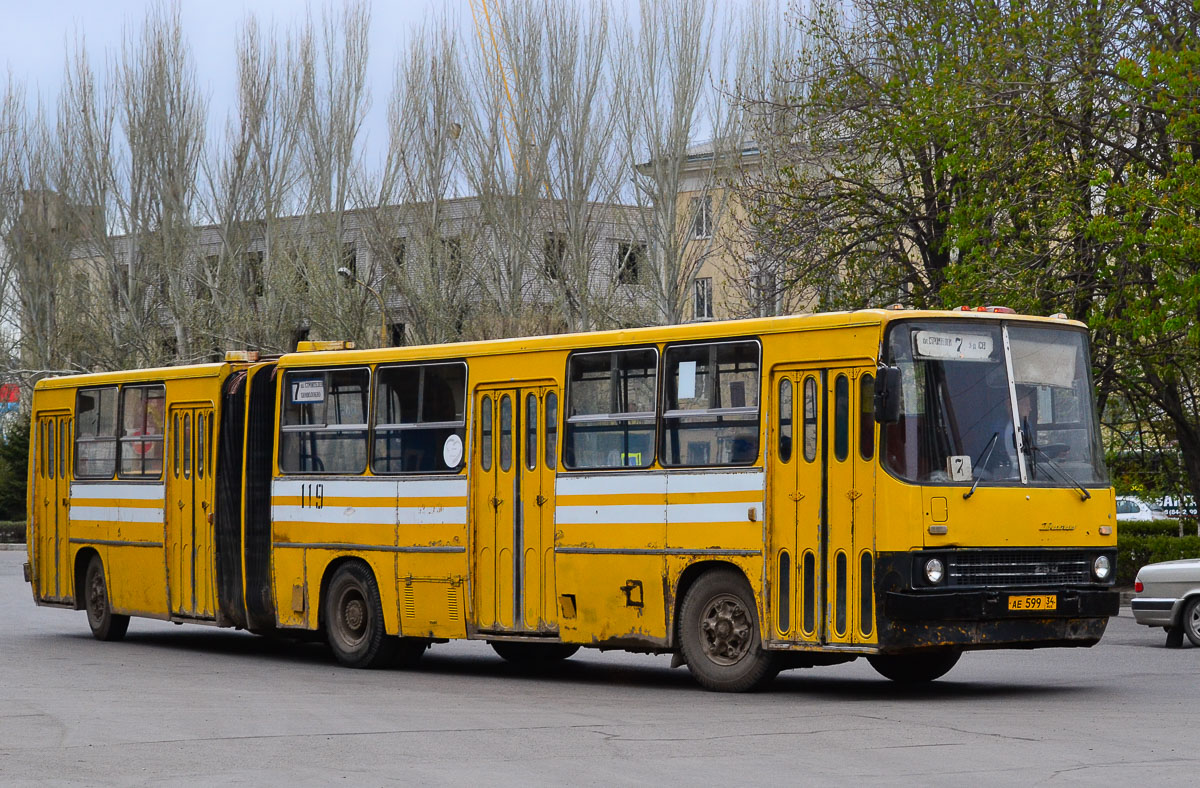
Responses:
[12,532]
[1148,528]
[1134,552]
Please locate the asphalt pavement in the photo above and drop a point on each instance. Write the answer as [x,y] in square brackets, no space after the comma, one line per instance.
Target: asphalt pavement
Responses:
[188,705]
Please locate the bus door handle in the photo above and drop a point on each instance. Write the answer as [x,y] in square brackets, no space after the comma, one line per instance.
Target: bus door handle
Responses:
[66,501]
[180,503]
[796,496]
[496,502]
[204,505]
[541,500]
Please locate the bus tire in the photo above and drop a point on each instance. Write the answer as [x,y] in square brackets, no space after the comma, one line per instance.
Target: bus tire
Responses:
[915,668]
[354,619]
[533,655]
[718,634]
[106,625]
[1191,620]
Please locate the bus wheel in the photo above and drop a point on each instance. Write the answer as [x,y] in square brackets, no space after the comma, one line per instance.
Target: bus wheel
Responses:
[354,619]
[105,624]
[1191,620]
[533,655]
[718,633]
[915,668]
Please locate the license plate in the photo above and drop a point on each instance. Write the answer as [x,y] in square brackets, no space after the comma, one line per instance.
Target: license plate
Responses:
[1033,602]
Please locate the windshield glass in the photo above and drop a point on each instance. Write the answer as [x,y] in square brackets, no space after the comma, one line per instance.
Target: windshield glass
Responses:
[965,419]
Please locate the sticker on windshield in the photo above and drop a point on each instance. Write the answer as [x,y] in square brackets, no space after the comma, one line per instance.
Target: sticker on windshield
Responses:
[958,467]
[952,345]
[308,390]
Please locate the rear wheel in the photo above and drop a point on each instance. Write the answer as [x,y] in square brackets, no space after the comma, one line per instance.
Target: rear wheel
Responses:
[354,619]
[915,668]
[533,654]
[105,624]
[1191,620]
[718,634]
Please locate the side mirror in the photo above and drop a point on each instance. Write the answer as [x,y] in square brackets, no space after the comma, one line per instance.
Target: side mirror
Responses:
[887,395]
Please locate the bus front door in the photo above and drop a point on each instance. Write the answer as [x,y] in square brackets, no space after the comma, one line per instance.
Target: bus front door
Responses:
[51,497]
[512,469]
[190,555]
[820,569]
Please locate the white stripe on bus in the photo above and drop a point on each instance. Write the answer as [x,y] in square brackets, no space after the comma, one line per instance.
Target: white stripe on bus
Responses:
[371,515]
[372,488]
[116,514]
[656,513]
[627,483]
[109,491]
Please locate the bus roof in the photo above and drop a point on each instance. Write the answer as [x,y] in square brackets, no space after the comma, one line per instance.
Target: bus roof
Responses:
[154,375]
[648,335]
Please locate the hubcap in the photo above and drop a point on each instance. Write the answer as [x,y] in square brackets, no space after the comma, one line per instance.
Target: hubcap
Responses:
[1195,622]
[352,618]
[725,632]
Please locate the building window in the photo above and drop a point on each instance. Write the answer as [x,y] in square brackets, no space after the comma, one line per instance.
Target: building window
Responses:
[630,257]
[396,330]
[704,298]
[349,257]
[452,258]
[555,252]
[767,292]
[399,251]
[702,220]
[254,273]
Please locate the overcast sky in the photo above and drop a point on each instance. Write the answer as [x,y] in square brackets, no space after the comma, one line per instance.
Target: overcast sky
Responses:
[36,34]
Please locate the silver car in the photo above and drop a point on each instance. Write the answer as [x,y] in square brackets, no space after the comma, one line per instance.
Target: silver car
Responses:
[1168,596]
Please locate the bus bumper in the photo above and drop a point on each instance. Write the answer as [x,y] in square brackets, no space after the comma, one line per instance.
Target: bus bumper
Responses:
[982,620]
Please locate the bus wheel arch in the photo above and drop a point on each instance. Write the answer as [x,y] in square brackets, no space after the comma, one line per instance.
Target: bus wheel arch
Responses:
[350,612]
[719,631]
[83,559]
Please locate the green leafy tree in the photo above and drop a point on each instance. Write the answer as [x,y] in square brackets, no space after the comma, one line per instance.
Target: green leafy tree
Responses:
[14,469]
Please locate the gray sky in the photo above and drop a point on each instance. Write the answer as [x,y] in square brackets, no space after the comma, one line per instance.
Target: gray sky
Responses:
[36,34]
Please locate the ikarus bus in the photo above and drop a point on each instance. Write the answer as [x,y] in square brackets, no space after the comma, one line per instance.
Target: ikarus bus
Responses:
[750,496]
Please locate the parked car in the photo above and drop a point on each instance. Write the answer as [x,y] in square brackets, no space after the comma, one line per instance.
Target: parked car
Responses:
[1130,508]
[1167,595]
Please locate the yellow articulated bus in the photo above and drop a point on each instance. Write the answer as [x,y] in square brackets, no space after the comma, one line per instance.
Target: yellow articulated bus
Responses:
[750,496]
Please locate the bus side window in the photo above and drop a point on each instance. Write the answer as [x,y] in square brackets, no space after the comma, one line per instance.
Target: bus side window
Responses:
[485,434]
[610,409]
[50,455]
[143,418]
[96,433]
[531,424]
[551,430]
[866,416]
[810,419]
[785,420]
[710,411]
[324,421]
[420,418]
[841,419]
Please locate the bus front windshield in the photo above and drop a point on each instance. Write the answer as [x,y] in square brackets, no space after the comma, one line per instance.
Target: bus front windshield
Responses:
[973,412]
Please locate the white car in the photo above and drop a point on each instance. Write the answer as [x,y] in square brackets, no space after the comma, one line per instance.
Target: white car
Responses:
[1130,508]
[1167,595]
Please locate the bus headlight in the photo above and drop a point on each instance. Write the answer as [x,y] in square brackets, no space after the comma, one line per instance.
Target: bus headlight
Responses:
[934,571]
[1101,567]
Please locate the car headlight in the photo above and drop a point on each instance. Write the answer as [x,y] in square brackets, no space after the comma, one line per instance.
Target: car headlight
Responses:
[1102,567]
[934,571]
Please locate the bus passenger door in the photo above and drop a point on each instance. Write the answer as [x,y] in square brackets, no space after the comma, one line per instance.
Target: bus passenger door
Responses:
[849,550]
[190,557]
[512,502]
[52,499]
[796,488]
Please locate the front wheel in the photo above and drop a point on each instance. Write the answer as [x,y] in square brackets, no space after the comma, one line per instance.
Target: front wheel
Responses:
[1191,620]
[354,619]
[718,634]
[105,624]
[915,668]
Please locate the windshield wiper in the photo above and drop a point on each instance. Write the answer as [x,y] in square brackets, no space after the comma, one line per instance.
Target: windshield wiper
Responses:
[1062,474]
[985,455]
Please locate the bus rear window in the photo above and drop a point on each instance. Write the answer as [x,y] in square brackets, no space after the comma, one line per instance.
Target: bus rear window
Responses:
[324,421]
